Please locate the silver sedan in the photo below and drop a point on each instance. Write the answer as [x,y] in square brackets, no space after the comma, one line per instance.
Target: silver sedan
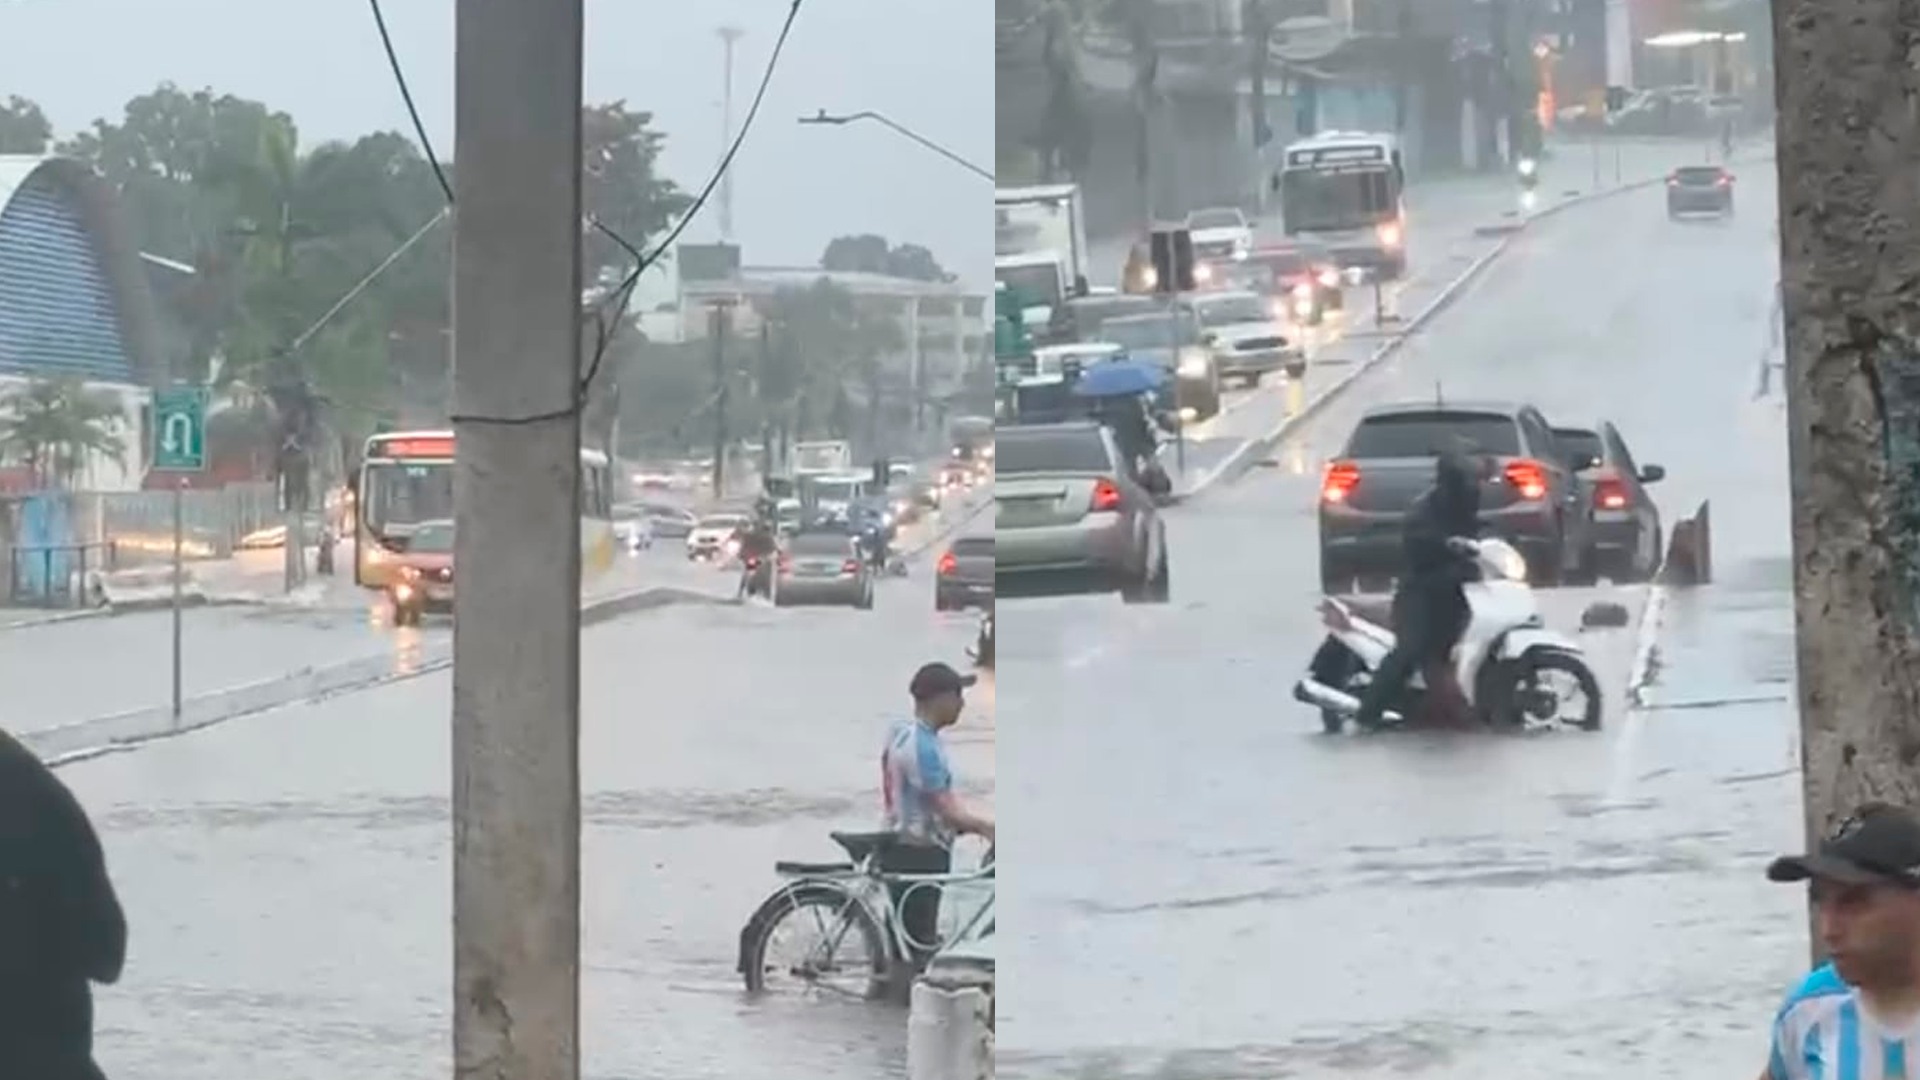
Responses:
[1069,517]
[823,568]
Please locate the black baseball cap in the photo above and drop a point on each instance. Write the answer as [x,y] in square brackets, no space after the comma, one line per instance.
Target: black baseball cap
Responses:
[935,679]
[1879,844]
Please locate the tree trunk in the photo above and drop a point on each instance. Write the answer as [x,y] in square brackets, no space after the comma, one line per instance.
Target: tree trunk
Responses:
[1849,173]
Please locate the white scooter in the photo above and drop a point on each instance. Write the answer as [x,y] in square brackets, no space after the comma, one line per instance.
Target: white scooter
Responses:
[1507,660]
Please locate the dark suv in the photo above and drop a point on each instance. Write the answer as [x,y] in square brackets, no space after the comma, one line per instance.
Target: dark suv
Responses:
[1532,498]
[1699,189]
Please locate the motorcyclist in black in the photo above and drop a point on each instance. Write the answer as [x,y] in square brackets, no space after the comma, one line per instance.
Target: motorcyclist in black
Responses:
[1429,608]
[758,543]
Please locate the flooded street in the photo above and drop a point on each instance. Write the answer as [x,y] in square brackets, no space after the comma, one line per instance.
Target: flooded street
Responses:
[1210,889]
[288,886]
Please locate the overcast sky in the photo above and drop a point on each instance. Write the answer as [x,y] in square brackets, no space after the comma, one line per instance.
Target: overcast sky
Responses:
[928,64]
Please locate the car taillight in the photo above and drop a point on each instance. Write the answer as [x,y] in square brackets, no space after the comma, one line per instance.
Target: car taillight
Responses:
[1724,181]
[785,563]
[1610,495]
[1673,181]
[1342,478]
[1528,478]
[851,566]
[1106,495]
[948,564]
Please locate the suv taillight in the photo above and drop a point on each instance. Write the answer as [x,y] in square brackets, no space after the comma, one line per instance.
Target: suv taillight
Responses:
[948,564]
[1342,478]
[1529,478]
[1106,495]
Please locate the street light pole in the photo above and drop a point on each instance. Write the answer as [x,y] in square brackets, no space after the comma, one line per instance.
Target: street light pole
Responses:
[824,117]
[516,648]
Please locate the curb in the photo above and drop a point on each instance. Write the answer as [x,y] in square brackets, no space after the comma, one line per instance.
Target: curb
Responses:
[1241,458]
[83,740]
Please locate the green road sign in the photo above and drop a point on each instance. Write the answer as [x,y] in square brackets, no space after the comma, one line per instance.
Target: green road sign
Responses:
[180,429]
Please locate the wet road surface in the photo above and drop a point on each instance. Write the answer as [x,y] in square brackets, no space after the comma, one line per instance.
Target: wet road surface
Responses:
[1209,889]
[287,877]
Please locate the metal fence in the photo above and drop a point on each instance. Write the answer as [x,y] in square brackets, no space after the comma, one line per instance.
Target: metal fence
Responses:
[54,575]
[58,534]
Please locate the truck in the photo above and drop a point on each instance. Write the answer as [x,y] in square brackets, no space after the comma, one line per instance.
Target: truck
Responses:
[1040,248]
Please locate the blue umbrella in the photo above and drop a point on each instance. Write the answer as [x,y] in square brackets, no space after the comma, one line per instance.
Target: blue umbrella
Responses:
[1119,379]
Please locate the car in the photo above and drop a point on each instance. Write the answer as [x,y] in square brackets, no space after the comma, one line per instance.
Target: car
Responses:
[822,566]
[1068,516]
[1244,333]
[964,576]
[1307,275]
[1626,543]
[1699,189]
[426,573]
[670,522]
[1220,232]
[1057,359]
[1532,499]
[712,535]
[1081,316]
[1174,340]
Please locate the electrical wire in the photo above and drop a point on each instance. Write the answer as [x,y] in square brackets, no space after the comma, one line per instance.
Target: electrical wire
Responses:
[623,293]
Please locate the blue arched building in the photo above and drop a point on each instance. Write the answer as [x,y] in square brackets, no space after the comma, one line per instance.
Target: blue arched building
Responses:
[74,296]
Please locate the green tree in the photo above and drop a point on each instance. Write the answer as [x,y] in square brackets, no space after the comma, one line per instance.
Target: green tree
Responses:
[621,186]
[55,426]
[871,254]
[23,127]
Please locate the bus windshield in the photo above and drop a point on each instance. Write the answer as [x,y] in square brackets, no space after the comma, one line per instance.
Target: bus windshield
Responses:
[396,496]
[838,491]
[1331,201]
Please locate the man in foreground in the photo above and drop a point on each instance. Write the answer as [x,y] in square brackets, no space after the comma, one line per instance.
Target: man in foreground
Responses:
[1858,1016]
[921,805]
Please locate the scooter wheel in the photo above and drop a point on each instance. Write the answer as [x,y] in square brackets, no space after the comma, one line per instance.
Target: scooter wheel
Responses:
[1516,710]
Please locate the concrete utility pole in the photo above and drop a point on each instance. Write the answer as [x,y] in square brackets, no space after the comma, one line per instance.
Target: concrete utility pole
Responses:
[516,647]
[1849,169]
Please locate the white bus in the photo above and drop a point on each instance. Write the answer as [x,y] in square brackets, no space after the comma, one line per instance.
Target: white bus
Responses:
[406,479]
[1346,191]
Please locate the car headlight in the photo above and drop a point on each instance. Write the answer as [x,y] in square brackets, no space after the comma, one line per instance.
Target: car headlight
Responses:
[1390,233]
[1303,291]
[1193,363]
[1149,277]
[1330,278]
[1202,272]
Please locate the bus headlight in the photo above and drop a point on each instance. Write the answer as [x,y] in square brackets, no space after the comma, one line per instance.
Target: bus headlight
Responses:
[1202,273]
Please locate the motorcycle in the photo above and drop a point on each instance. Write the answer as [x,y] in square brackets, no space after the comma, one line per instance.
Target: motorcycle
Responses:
[982,651]
[1529,173]
[756,576]
[1503,657]
[405,598]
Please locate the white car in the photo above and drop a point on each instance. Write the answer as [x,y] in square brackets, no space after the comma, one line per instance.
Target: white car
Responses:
[1246,336]
[1220,232]
[712,535]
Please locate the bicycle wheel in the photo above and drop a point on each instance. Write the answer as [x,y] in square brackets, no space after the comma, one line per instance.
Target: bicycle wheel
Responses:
[844,950]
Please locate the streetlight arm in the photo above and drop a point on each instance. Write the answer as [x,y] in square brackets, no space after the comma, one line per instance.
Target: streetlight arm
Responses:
[824,118]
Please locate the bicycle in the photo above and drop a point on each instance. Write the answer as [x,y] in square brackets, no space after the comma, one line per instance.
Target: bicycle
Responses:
[855,898]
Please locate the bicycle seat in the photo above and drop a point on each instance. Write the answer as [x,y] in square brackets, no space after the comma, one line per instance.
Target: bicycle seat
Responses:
[859,846]
[811,869]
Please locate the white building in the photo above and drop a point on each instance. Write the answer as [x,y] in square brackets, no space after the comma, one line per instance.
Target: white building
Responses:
[943,323]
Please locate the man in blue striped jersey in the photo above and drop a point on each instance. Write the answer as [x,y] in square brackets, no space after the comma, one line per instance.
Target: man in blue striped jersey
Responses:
[1858,1016]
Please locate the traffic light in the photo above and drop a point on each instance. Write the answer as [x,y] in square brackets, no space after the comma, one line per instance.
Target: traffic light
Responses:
[1172,252]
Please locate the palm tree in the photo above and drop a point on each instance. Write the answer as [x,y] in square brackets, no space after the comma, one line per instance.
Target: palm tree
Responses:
[55,426]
